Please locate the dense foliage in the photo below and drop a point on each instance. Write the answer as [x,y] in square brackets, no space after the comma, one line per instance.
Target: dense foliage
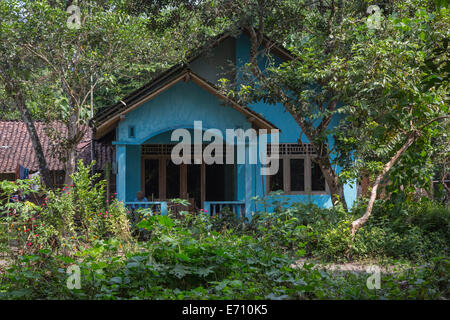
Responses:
[353,76]
[404,231]
[186,259]
[60,220]
[195,256]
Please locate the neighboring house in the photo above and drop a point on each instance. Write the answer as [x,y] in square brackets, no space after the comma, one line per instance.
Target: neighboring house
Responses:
[17,150]
[141,124]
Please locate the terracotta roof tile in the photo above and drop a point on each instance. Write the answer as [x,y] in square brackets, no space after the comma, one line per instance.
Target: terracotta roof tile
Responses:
[103,153]
[16,147]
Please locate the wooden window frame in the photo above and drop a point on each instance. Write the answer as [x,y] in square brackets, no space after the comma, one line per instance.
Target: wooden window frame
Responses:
[287,173]
[287,176]
[327,190]
[162,177]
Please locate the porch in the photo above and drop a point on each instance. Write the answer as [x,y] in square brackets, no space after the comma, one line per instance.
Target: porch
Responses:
[212,208]
[208,187]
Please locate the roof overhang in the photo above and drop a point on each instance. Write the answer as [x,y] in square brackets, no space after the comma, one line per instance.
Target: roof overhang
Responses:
[257,121]
[108,119]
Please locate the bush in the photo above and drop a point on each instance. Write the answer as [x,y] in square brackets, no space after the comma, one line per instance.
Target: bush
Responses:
[62,219]
[194,256]
[185,259]
[432,217]
[334,242]
[411,231]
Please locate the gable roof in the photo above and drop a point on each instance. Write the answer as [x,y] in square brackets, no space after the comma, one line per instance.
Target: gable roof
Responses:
[107,118]
[16,147]
[106,122]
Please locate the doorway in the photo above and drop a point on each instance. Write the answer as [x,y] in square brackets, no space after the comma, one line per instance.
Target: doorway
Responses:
[163,180]
[219,182]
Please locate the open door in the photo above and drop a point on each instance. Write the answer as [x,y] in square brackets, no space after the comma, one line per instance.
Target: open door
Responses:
[162,180]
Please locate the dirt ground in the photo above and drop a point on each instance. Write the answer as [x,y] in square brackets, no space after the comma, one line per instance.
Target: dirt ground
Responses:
[349,267]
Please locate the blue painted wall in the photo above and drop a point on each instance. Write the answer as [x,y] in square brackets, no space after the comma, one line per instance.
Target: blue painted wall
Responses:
[177,107]
[290,132]
[133,172]
[184,103]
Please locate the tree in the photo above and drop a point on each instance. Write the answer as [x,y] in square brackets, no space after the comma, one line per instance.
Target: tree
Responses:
[395,101]
[16,77]
[372,72]
[304,85]
[106,44]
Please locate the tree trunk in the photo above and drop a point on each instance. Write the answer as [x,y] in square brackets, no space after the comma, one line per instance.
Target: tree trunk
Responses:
[69,166]
[71,151]
[373,195]
[446,188]
[28,120]
[336,188]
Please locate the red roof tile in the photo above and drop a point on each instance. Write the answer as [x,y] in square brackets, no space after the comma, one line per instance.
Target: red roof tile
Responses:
[103,153]
[16,147]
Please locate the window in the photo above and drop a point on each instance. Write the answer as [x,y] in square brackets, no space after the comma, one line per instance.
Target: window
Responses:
[276,181]
[151,178]
[317,178]
[131,133]
[172,179]
[297,173]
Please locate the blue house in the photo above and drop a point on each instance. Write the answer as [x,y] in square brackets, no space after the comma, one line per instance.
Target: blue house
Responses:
[142,124]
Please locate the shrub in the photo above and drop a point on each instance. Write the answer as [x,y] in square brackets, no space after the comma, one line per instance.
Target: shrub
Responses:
[334,242]
[62,219]
[194,256]
[185,259]
[411,231]
[431,217]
